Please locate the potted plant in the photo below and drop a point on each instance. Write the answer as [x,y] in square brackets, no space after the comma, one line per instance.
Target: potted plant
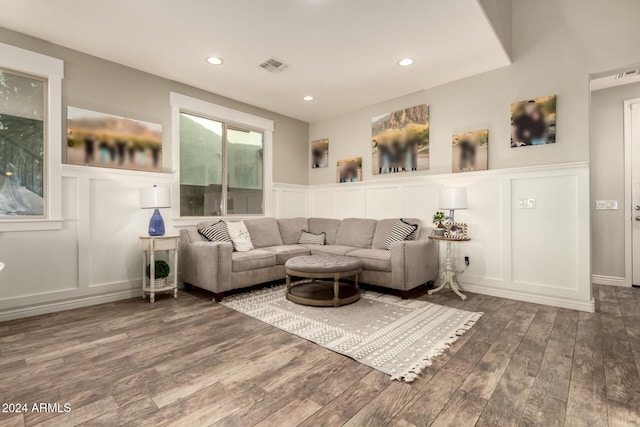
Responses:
[161,272]
[438,219]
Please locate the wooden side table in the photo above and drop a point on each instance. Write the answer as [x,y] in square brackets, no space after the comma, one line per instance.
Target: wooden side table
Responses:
[449,274]
[151,245]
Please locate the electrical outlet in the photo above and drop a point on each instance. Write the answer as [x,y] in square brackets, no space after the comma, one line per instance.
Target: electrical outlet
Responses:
[466,261]
[527,203]
[606,205]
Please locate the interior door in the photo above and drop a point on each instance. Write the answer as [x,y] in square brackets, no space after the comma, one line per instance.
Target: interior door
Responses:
[635,190]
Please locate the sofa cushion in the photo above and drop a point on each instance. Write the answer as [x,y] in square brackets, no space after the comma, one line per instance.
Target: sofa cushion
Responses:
[326,225]
[252,260]
[290,229]
[373,259]
[285,252]
[383,229]
[307,238]
[330,249]
[356,232]
[400,231]
[264,232]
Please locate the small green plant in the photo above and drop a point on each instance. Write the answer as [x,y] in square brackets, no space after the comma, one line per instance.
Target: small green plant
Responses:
[162,269]
[438,218]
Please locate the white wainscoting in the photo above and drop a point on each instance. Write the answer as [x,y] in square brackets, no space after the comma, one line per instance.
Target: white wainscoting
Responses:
[538,255]
[95,258]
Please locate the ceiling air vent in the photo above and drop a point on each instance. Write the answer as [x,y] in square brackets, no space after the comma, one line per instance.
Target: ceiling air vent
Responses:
[273,65]
[630,73]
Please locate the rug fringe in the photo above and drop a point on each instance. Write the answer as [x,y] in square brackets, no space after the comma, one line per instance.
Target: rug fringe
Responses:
[413,373]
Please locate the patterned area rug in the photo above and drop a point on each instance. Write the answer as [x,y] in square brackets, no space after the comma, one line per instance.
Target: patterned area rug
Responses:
[398,337]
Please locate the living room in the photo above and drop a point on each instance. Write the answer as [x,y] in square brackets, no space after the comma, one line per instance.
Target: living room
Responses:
[546,263]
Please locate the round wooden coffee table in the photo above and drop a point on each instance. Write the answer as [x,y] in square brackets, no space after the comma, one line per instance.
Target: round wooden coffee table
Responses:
[323,293]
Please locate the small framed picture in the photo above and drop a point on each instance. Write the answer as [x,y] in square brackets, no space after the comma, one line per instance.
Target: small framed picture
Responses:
[456,230]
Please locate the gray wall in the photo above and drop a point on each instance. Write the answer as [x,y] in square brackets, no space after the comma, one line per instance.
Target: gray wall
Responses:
[556,45]
[105,86]
[607,178]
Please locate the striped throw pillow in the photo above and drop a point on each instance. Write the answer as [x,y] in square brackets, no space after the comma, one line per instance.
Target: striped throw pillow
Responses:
[400,231]
[217,232]
[307,238]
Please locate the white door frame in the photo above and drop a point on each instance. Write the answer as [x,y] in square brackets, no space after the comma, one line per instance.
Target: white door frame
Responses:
[628,215]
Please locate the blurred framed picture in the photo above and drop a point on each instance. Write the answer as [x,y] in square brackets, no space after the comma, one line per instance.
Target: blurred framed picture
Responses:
[400,141]
[533,122]
[320,153]
[349,170]
[104,140]
[456,230]
[470,151]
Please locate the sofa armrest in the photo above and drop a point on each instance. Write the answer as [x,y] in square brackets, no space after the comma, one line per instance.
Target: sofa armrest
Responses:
[204,264]
[413,263]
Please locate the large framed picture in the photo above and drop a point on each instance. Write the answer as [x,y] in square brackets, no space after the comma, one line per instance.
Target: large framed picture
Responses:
[400,141]
[104,140]
[456,230]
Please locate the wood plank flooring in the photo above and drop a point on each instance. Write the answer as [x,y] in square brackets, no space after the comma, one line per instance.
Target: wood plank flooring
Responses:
[192,362]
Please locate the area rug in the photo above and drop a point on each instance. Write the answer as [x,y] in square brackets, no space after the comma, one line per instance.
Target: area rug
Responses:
[398,337]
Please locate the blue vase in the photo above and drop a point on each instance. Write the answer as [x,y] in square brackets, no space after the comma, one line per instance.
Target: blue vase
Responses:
[156,225]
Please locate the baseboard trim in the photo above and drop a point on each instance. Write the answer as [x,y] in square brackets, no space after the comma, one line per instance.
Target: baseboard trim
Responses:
[50,307]
[588,306]
[609,280]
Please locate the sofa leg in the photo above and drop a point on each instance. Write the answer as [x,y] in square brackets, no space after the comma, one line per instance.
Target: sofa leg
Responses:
[404,294]
[188,287]
[218,297]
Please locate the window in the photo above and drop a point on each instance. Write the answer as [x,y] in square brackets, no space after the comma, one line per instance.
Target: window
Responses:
[30,140]
[22,144]
[220,168]
[223,160]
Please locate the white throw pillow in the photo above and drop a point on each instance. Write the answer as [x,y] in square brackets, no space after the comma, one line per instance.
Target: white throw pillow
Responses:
[240,236]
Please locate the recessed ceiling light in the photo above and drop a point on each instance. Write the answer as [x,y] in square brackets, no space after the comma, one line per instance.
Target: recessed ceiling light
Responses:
[214,60]
[405,62]
[307,98]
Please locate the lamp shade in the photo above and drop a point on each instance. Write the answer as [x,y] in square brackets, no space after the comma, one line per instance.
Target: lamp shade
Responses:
[155,197]
[453,198]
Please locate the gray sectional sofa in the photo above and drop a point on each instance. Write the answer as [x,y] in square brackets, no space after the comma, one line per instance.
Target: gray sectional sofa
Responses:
[216,267]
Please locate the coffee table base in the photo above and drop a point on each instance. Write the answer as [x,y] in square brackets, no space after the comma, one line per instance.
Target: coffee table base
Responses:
[320,293]
[323,293]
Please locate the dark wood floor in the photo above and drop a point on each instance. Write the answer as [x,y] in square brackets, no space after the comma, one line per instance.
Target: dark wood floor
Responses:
[193,362]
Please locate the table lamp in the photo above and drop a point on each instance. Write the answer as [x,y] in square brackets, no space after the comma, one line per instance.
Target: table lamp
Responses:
[453,198]
[153,198]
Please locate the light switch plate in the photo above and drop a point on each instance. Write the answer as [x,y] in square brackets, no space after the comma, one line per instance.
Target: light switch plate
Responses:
[527,203]
[606,205]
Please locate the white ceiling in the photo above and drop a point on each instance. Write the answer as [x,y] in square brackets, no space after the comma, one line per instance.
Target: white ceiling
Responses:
[343,52]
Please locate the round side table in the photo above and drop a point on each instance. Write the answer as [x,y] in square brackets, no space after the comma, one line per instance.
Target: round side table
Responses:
[449,275]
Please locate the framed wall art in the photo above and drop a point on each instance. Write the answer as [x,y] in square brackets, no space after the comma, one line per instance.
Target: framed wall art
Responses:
[349,170]
[470,151]
[104,140]
[533,122]
[400,141]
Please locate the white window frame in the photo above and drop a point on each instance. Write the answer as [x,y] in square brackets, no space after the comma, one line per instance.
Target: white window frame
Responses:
[52,69]
[182,103]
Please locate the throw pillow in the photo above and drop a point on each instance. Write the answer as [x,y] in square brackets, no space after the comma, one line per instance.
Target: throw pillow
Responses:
[217,232]
[240,236]
[400,231]
[307,238]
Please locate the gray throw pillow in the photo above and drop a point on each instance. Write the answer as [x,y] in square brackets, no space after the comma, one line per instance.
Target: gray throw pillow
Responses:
[307,238]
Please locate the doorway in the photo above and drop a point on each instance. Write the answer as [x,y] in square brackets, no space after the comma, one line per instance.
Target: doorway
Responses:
[632,189]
